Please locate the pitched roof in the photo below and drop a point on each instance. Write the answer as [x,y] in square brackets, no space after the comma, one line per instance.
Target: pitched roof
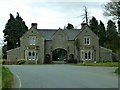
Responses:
[48,33]
[72,33]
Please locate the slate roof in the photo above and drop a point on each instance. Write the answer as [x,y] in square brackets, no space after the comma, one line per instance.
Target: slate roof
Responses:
[48,33]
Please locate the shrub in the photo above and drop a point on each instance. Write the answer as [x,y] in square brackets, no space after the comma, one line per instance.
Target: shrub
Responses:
[21,61]
[2,61]
[117,70]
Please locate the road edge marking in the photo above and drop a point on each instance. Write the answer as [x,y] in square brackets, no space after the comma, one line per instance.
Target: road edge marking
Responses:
[20,84]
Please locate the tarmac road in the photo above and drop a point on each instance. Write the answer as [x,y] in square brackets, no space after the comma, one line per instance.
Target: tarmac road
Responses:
[63,76]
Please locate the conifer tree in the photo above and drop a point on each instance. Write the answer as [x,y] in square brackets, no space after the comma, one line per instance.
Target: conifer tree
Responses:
[14,29]
[111,35]
[102,34]
[94,25]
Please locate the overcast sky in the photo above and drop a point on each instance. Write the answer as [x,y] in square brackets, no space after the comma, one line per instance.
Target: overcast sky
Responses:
[50,14]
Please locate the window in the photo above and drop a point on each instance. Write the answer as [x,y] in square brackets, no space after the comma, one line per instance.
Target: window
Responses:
[87,40]
[32,40]
[86,54]
[89,55]
[32,55]
[29,53]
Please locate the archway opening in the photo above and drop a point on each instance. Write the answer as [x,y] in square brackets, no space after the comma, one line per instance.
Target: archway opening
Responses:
[47,59]
[59,55]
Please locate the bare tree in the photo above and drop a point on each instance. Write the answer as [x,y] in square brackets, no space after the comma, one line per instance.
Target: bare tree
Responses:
[85,15]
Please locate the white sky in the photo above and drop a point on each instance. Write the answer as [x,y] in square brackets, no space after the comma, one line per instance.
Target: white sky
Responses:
[50,14]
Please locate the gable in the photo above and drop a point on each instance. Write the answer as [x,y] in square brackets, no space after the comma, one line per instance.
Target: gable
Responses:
[87,32]
[59,40]
[60,33]
[32,32]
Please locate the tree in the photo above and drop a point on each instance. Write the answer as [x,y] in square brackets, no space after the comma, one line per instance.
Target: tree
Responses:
[102,34]
[7,31]
[85,15]
[113,9]
[94,25]
[4,53]
[20,28]
[70,26]
[111,35]
[14,29]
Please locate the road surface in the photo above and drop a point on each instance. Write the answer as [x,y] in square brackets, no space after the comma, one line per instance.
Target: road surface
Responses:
[63,76]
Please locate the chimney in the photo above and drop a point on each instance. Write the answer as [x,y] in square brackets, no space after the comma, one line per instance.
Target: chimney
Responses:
[34,25]
[83,25]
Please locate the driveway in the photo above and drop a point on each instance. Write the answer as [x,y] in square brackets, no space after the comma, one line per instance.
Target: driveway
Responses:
[63,76]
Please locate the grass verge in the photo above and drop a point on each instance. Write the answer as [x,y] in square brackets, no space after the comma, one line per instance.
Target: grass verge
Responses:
[117,71]
[7,78]
[0,76]
[109,64]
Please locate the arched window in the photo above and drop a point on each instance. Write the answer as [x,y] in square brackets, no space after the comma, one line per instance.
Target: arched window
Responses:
[85,55]
[33,53]
[29,54]
[89,55]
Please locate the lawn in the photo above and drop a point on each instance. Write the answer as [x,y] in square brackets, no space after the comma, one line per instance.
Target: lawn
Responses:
[7,78]
[109,64]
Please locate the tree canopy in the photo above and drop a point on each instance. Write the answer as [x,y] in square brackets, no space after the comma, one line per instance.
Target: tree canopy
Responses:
[70,26]
[113,9]
[93,24]
[111,36]
[14,29]
[102,33]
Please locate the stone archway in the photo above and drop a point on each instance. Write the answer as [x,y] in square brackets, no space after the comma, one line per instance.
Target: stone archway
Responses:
[59,55]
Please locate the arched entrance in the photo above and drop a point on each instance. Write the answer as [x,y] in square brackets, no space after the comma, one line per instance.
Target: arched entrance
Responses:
[59,55]
[47,58]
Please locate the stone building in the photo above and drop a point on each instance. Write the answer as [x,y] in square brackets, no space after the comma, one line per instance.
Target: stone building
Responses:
[58,45]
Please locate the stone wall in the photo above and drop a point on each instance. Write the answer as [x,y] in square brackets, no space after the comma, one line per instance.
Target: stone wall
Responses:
[105,54]
[13,54]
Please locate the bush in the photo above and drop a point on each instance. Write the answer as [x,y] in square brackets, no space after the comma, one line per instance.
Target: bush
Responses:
[117,71]
[2,61]
[21,61]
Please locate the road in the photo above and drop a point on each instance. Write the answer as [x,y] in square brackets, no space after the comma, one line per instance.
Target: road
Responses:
[63,76]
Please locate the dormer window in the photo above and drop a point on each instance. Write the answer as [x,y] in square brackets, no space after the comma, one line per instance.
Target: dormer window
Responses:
[86,40]
[32,40]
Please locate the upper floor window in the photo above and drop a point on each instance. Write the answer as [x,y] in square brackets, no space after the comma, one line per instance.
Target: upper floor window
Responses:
[32,40]
[87,40]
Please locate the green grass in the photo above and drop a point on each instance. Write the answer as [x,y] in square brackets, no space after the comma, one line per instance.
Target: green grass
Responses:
[7,78]
[0,76]
[109,64]
[117,70]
